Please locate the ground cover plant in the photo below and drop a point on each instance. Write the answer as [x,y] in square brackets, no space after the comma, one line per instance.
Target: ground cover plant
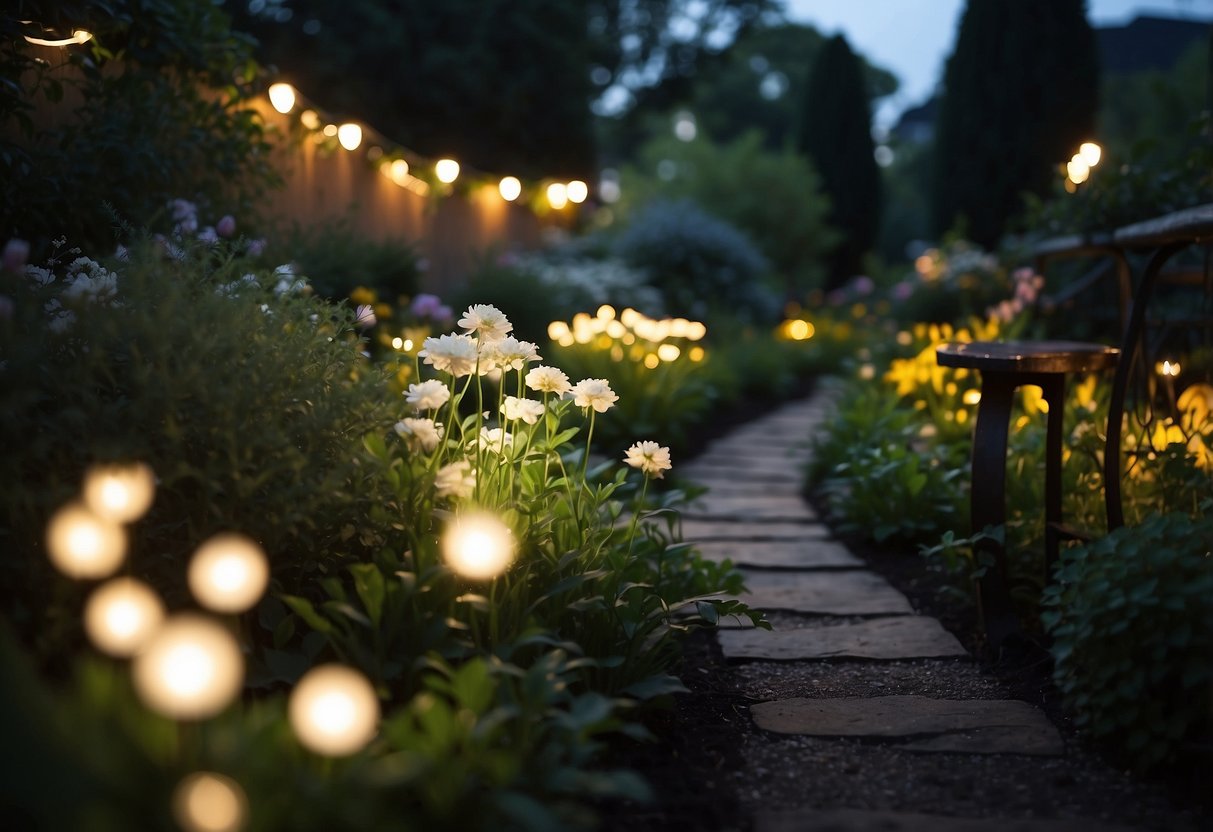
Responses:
[444,563]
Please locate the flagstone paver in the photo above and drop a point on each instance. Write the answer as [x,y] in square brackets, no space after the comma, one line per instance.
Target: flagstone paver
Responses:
[855,820]
[782,554]
[757,507]
[699,531]
[919,723]
[899,637]
[754,471]
[824,593]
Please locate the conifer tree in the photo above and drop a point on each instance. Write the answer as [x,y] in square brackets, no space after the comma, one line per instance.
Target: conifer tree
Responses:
[836,134]
[1020,96]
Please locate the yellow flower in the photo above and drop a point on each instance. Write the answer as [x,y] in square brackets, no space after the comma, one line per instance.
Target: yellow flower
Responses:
[363,295]
[1195,405]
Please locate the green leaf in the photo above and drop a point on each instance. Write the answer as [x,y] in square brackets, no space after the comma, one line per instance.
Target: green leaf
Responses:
[304,609]
[655,686]
[369,584]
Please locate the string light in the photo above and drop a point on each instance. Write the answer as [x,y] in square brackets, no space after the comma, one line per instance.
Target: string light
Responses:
[558,195]
[577,191]
[447,170]
[78,36]
[282,96]
[510,188]
[350,136]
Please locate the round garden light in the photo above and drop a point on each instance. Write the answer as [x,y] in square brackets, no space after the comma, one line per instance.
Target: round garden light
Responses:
[478,546]
[83,545]
[228,573]
[191,668]
[577,191]
[209,802]
[119,493]
[333,710]
[282,97]
[349,135]
[122,615]
[558,195]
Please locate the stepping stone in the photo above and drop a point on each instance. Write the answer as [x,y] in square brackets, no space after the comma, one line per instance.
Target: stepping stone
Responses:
[919,723]
[733,507]
[783,473]
[824,593]
[782,554]
[881,639]
[735,488]
[857,820]
[698,531]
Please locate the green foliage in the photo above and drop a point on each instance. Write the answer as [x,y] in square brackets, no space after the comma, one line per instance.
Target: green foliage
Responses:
[700,264]
[252,418]
[835,133]
[337,258]
[153,107]
[774,196]
[1132,620]
[1021,89]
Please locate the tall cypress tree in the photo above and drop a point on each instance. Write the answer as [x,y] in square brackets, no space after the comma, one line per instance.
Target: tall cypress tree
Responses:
[836,134]
[1020,95]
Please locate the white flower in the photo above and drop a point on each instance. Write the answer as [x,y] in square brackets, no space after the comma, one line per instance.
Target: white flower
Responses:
[545,379]
[595,393]
[455,480]
[511,354]
[232,289]
[454,354]
[289,281]
[493,439]
[61,319]
[364,316]
[428,395]
[39,275]
[92,288]
[420,434]
[528,410]
[649,457]
[486,321]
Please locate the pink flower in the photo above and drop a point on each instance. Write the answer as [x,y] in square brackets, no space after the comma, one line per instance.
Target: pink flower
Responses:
[425,305]
[16,254]
[902,290]
[226,226]
[364,316]
[863,285]
[255,247]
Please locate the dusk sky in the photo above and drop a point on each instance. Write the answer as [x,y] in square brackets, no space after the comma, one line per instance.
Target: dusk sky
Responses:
[912,38]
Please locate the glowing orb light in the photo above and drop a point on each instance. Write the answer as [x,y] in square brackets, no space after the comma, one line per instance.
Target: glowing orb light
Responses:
[83,545]
[119,493]
[190,669]
[282,97]
[478,546]
[334,710]
[447,170]
[209,802]
[228,573]
[510,188]
[122,615]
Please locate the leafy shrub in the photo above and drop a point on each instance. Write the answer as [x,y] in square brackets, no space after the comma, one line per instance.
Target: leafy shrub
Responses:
[337,258]
[1131,615]
[699,263]
[155,106]
[249,405]
[774,197]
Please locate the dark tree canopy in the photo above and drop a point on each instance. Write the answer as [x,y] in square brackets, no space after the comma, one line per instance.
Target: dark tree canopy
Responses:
[1021,94]
[836,134]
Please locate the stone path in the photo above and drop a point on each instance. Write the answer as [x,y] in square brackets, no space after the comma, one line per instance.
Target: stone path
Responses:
[834,610]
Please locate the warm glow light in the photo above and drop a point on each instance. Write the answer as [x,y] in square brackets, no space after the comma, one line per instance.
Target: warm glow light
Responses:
[83,545]
[696,354]
[209,802]
[119,493]
[558,195]
[191,668]
[1091,153]
[696,331]
[397,343]
[78,36]
[122,615]
[577,191]
[510,188]
[447,170]
[282,96]
[668,352]
[971,397]
[1078,170]
[1167,368]
[478,546]
[228,573]
[333,710]
[606,312]
[651,361]
[310,119]
[349,135]
[330,130]
[799,330]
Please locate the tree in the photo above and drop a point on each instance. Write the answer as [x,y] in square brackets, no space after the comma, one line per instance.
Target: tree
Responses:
[836,134]
[1020,95]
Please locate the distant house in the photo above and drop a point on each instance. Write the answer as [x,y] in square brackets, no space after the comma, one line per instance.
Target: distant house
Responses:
[1144,43]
